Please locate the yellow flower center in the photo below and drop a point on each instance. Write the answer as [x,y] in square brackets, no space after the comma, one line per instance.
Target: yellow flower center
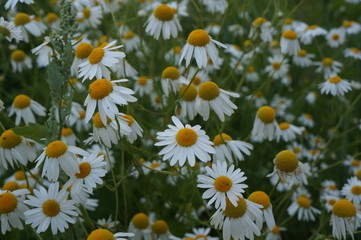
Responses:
[303,201]
[164,13]
[9,139]
[21,19]
[327,62]
[82,114]
[130,119]
[302,53]
[51,18]
[223,184]
[276,230]
[83,50]
[85,170]
[289,34]
[157,99]
[154,165]
[356,190]
[160,227]
[221,138]
[235,212]
[21,101]
[355,162]
[86,13]
[312,27]
[100,88]
[208,91]
[171,73]
[274,44]
[198,38]
[344,208]
[308,116]
[66,132]
[288,21]
[56,149]
[355,50]
[96,55]
[296,150]
[197,80]
[10,186]
[129,35]
[334,80]
[347,24]
[251,69]
[335,36]
[284,126]
[276,65]
[260,198]
[177,50]
[189,94]
[8,202]
[101,234]
[98,123]
[266,114]
[332,187]
[331,202]
[51,208]
[259,21]
[20,175]
[286,161]
[247,43]
[140,221]
[142,81]
[18,56]
[5,31]
[186,137]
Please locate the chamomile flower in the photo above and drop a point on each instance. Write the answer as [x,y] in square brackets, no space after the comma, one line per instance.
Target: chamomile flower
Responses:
[302,206]
[263,199]
[98,61]
[173,55]
[15,149]
[50,208]
[154,165]
[171,80]
[278,67]
[53,20]
[226,147]
[345,218]
[140,226]
[275,233]
[9,31]
[12,209]
[68,136]
[19,61]
[135,129]
[131,41]
[303,59]
[251,74]
[231,218]
[210,96]
[107,95]
[289,43]
[351,27]
[215,6]
[164,19]
[188,95]
[160,230]
[184,143]
[25,108]
[199,233]
[265,125]
[102,234]
[336,37]
[263,28]
[329,201]
[89,16]
[124,69]
[328,67]
[236,29]
[201,47]
[288,132]
[44,53]
[82,53]
[306,119]
[27,23]
[58,153]
[352,190]
[224,184]
[144,85]
[335,86]
[310,32]
[353,53]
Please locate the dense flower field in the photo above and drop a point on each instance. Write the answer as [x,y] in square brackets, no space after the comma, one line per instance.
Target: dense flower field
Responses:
[181,120]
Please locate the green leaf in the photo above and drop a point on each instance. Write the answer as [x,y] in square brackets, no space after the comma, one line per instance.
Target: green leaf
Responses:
[55,79]
[33,131]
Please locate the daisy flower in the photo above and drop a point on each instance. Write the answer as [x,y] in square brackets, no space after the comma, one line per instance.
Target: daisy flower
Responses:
[98,61]
[135,129]
[24,108]
[353,53]
[302,206]
[213,29]
[306,119]
[19,61]
[225,147]
[68,136]
[310,32]
[26,23]
[335,86]
[124,69]
[288,132]
[12,209]
[345,218]
[263,28]
[131,41]
[303,59]
[58,153]
[171,80]
[278,67]
[50,207]
[53,20]
[199,233]
[100,234]
[263,199]
[236,29]
[82,53]
[265,125]
[275,233]
[184,143]
[210,96]
[328,67]
[10,31]
[140,226]
[153,165]
[188,95]
[15,149]
[44,53]
[200,46]
[173,55]
[215,6]
[164,19]
[289,43]
[160,230]
[89,17]
[107,95]
[144,85]
[352,190]
[222,184]
[107,223]
[230,219]
[251,74]
[336,37]
[351,27]
[329,201]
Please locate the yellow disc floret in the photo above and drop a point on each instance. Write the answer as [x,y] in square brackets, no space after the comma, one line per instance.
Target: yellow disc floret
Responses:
[286,161]
[356,190]
[160,227]
[266,114]
[259,21]
[21,101]
[97,121]
[96,55]
[21,19]
[86,13]
[6,32]
[189,94]
[83,50]
[276,230]
[142,81]
[10,186]
[171,73]
[303,201]
[302,53]
[198,38]
[8,202]
[344,208]
[284,126]
[129,119]
[18,56]
[9,139]
[51,18]
[20,175]
[208,91]
[84,169]
[51,208]
[221,138]
[100,88]
[235,212]
[56,149]
[164,13]
[261,198]
[101,234]
[66,132]
[186,137]
[129,35]
[289,34]
[334,80]
[327,62]
[223,184]
[140,221]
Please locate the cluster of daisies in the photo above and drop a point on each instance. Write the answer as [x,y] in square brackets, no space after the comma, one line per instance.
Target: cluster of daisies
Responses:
[170,101]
